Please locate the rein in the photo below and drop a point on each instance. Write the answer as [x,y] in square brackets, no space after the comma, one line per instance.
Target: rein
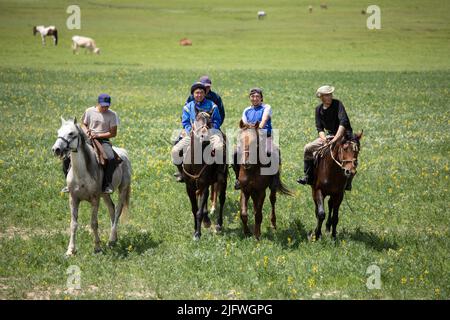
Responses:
[341,165]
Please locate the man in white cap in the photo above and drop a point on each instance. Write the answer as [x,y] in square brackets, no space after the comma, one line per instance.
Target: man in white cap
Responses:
[332,118]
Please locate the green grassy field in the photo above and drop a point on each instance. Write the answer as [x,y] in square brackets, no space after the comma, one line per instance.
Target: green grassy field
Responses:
[394,83]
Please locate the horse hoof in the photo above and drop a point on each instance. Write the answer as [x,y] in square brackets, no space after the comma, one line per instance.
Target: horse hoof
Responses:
[112,243]
[212,211]
[328,229]
[196,237]
[207,224]
[97,250]
[70,253]
[218,228]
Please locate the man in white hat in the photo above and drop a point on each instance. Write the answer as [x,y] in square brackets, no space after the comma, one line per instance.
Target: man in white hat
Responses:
[332,118]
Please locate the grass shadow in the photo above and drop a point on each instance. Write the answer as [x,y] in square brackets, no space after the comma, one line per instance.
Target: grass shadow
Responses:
[134,241]
[291,237]
[370,239]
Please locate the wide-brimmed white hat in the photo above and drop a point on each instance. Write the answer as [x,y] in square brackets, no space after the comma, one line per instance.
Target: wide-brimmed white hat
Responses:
[324,90]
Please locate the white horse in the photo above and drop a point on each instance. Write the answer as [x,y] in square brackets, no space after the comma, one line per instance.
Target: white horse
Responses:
[46,31]
[85,181]
[84,42]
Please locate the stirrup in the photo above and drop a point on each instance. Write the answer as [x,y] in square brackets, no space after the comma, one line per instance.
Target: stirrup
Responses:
[65,189]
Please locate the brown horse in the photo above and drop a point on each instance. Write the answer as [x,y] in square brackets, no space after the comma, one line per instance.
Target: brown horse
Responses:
[253,182]
[199,176]
[336,165]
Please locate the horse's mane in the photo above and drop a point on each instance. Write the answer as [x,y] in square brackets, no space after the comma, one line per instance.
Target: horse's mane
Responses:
[86,151]
[325,150]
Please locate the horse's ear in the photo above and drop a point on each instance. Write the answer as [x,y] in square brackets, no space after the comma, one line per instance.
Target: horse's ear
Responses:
[62,120]
[241,124]
[358,136]
[75,120]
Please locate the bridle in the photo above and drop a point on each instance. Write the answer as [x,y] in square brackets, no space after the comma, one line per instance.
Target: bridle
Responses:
[207,116]
[68,142]
[342,162]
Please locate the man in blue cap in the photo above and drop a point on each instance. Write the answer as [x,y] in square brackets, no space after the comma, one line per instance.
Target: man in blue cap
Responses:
[100,123]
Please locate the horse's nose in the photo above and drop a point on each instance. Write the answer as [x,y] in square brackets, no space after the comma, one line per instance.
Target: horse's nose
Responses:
[56,151]
[347,173]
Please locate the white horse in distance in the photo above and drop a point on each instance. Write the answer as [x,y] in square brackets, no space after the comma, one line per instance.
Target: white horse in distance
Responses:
[85,181]
[84,42]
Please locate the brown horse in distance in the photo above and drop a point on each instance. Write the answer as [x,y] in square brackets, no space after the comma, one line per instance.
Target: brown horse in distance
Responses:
[336,164]
[199,176]
[253,183]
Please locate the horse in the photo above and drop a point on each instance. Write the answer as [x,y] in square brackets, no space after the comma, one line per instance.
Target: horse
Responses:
[253,182]
[84,42]
[336,164]
[46,31]
[85,181]
[200,176]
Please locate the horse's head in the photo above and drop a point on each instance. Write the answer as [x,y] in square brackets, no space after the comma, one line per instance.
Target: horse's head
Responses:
[348,154]
[34,31]
[69,136]
[248,143]
[201,126]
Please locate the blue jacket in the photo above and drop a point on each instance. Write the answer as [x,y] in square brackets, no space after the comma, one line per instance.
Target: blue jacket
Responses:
[214,97]
[190,112]
[252,114]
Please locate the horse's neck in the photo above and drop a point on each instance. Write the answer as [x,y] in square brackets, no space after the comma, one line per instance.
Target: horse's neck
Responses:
[84,161]
[41,30]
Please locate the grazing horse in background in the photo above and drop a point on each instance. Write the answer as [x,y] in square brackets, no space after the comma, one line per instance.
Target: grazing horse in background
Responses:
[85,181]
[253,182]
[84,42]
[46,31]
[336,164]
[199,176]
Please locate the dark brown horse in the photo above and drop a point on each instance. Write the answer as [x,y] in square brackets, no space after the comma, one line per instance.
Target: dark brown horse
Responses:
[253,182]
[199,176]
[336,165]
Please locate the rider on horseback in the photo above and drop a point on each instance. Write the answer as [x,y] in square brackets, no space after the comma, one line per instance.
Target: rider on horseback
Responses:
[100,123]
[261,113]
[190,110]
[332,117]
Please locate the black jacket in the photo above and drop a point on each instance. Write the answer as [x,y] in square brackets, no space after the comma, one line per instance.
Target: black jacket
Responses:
[331,118]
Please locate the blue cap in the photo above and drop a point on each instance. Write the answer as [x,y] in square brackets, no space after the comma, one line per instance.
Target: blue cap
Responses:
[104,100]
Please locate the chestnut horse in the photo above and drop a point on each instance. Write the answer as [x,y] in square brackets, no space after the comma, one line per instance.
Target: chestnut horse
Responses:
[199,176]
[253,182]
[336,165]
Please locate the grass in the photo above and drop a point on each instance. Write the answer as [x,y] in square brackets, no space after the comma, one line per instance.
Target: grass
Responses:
[399,205]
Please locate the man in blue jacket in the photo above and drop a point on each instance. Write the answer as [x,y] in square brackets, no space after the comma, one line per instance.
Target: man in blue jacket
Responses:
[190,110]
[210,95]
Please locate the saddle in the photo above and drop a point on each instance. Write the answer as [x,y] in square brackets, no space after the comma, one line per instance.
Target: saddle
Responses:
[101,155]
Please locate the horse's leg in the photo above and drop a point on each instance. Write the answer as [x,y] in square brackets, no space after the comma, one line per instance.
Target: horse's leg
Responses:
[273,200]
[202,199]
[330,211]
[94,224]
[123,194]
[193,199]
[337,200]
[222,190]
[244,212]
[320,212]
[74,204]
[206,219]
[258,202]
[112,215]
[214,192]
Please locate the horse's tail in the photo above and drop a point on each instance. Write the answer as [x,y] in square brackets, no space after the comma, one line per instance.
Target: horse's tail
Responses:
[126,204]
[55,34]
[281,188]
